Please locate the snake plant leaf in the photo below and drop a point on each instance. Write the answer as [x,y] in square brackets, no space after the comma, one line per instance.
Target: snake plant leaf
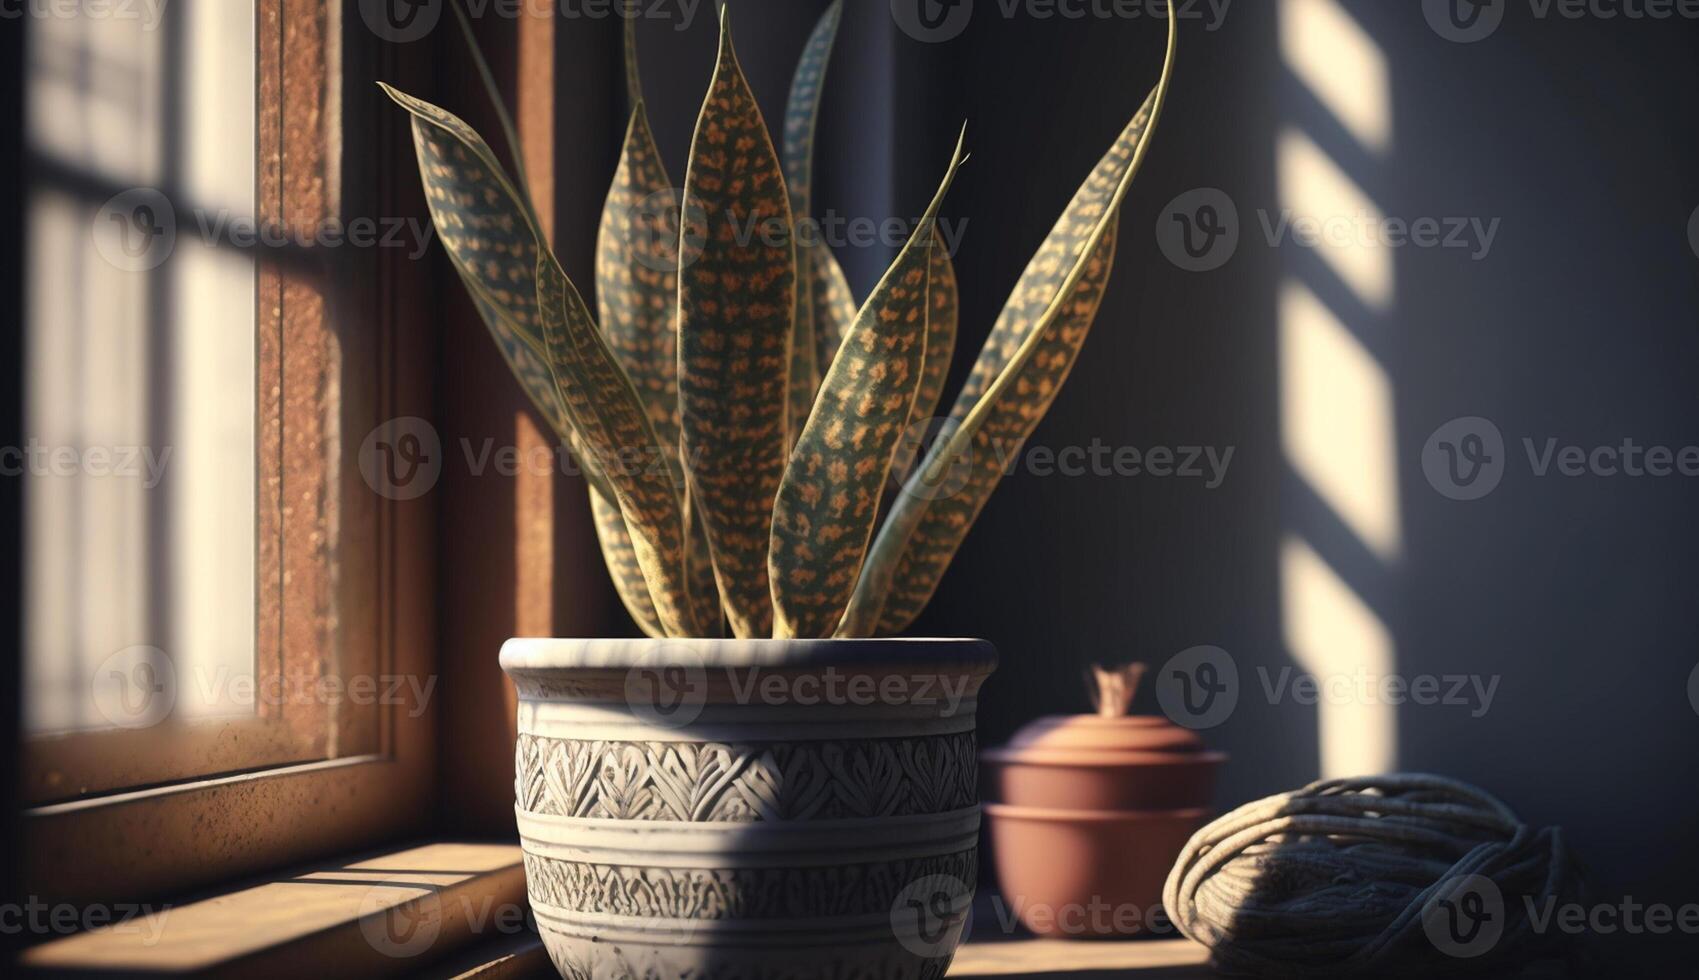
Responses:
[610,418]
[942,317]
[491,238]
[637,299]
[802,116]
[937,520]
[637,277]
[633,76]
[829,501]
[1024,361]
[736,301]
[833,301]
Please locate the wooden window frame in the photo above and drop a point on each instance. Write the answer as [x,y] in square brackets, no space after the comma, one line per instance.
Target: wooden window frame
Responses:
[344,574]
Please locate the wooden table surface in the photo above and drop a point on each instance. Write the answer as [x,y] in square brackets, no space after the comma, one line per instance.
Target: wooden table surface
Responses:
[1159,959]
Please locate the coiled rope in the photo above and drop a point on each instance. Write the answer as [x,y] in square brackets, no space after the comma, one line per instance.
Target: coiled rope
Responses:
[1366,875]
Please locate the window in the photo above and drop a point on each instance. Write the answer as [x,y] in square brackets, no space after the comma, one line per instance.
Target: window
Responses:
[212,634]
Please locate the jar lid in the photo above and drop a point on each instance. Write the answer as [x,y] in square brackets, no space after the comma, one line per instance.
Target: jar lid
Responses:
[1098,733]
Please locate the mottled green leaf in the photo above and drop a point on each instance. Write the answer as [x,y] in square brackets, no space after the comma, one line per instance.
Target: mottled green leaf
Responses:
[943,314]
[736,302]
[617,551]
[637,299]
[633,76]
[1028,355]
[802,116]
[497,248]
[609,416]
[829,501]
[833,301]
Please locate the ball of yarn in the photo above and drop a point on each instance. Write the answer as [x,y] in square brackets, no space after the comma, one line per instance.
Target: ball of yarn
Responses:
[1386,875]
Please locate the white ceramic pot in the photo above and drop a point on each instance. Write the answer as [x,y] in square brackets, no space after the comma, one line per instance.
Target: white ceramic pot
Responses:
[730,809]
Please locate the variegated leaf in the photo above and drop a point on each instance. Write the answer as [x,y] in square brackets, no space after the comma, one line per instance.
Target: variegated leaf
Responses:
[1024,361]
[943,314]
[633,77]
[637,299]
[833,301]
[829,501]
[802,116]
[637,276]
[609,416]
[937,526]
[497,249]
[736,302]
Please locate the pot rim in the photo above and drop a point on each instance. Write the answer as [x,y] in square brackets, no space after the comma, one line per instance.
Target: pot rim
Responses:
[536,653]
[1051,814]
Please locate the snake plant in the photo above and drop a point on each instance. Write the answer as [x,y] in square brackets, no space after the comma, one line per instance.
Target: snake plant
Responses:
[737,416]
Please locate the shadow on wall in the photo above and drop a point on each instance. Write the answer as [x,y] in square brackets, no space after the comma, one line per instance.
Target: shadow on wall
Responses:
[1393,226]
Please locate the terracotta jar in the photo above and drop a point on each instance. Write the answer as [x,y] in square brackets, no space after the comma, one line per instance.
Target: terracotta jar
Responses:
[1090,814]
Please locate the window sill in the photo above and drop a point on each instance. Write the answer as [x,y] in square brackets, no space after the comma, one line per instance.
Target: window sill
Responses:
[395,912]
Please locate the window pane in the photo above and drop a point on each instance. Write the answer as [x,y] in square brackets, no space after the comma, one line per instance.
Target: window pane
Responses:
[140,359]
